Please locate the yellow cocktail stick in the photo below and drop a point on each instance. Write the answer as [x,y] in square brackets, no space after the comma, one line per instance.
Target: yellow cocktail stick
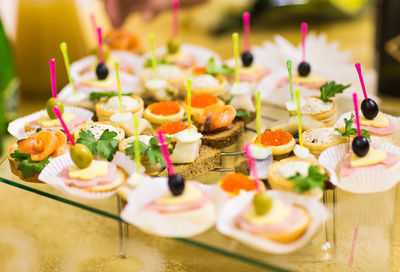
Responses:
[258,117]
[116,65]
[136,143]
[153,56]
[189,103]
[64,51]
[299,118]
[235,38]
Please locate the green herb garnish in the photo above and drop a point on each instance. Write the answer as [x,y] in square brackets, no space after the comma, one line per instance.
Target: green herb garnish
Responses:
[314,179]
[152,151]
[330,89]
[98,95]
[241,113]
[349,131]
[28,167]
[106,145]
[149,62]
[39,129]
[213,69]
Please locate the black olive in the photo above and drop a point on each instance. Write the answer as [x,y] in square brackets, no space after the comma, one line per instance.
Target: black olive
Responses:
[360,146]
[101,71]
[304,69]
[369,108]
[176,184]
[247,58]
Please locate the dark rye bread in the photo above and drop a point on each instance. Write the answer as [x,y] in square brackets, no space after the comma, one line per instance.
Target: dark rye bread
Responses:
[224,138]
[14,168]
[209,158]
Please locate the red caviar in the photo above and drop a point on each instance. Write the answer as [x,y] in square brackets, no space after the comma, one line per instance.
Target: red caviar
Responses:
[274,138]
[172,127]
[165,108]
[235,182]
[203,100]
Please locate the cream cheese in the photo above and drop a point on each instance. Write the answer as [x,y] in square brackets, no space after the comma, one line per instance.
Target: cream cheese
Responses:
[204,81]
[98,129]
[324,135]
[290,169]
[315,105]
[168,72]
[242,97]
[112,104]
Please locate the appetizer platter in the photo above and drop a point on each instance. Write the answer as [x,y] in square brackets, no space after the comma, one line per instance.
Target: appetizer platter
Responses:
[185,143]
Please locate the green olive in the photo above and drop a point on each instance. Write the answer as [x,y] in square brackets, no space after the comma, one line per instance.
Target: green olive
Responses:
[173,46]
[262,203]
[51,103]
[81,155]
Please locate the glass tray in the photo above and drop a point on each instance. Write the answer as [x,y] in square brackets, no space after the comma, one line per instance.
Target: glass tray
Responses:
[358,234]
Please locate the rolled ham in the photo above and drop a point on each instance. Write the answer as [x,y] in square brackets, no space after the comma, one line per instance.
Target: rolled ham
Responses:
[71,125]
[187,62]
[169,208]
[81,183]
[346,169]
[380,131]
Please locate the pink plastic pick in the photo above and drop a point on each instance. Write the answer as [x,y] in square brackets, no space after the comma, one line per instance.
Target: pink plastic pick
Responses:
[58,114]
[94,26]
[357,114]
[303,39]
[100,41]
[246,25]
[358,67]
[175,6]
[165,152]
[252,167]
[52,63]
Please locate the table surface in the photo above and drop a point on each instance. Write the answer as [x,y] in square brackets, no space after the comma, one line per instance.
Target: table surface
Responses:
[40,234]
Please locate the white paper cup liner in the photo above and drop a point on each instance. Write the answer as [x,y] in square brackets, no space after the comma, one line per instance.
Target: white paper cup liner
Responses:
[395,138]
[201,54]
[134,61]
[363,181]
[50,175]
[17,127]
[226,221]
[179,224]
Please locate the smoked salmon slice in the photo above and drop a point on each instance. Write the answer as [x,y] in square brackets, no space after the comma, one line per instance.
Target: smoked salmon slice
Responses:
[218,116]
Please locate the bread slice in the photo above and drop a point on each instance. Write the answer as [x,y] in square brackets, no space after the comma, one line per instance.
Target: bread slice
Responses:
[14,168]
[294,232]
[208,159]
[224,138]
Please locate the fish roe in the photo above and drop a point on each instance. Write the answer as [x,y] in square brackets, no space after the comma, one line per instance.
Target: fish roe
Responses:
[171,128]
[203,100]
[165,108]
[235,182]
[274,138]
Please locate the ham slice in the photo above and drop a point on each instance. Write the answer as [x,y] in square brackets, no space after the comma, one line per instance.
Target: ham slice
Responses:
[71,125]
[169,208]
[380,131]
[295,215]
[190,60]
[346,170]
[254,77]
[81,183]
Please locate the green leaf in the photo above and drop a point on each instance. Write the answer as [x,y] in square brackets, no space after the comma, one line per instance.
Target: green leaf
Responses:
[107,145]
[87,138]
[28,167]
[314,179]
[349,130]
[39,129]
[149,62]
[241,113]
[154,152]
[98,95]
[330,89]
[213,69]
[131,148]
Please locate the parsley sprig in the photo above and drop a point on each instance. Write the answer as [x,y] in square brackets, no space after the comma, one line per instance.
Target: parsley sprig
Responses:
[95,96]
[241,113]
[152,151]
[349,130]
[106,145]
[314,179]
[213,69]
[28,167]
[330,89]
[149,62]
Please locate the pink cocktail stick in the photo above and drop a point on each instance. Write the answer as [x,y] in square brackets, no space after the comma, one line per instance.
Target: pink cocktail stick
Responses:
[357,114]
[252,167]
[58,114]
[175,6]
[303,39]
[52,63]
[246,25]
[358,67]
[94,26]
[100,43]
[165,152]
